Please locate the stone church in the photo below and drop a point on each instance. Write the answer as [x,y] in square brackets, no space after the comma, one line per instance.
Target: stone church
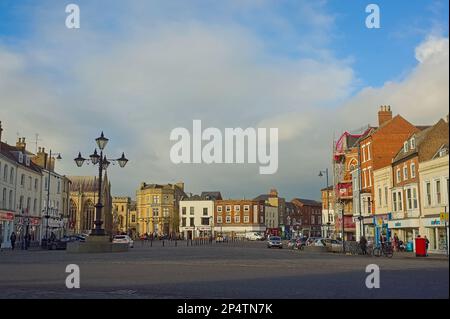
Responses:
[83,198]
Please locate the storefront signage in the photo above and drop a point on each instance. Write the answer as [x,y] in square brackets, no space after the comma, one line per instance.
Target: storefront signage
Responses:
[8,216]
[443,217]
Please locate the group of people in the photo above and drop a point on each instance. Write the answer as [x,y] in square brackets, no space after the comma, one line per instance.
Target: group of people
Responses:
[396,243]
[26,241]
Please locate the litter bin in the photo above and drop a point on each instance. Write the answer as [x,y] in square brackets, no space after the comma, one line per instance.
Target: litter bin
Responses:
[420,247]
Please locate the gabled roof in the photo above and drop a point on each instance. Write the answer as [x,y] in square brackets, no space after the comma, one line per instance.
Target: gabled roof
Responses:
[211,195]
[419,138]
[83,183]
[8,151]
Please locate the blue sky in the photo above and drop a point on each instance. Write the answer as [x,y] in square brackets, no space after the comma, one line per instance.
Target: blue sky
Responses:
[143,67]
[404,25]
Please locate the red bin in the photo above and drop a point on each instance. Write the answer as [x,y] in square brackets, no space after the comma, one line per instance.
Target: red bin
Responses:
[420,247]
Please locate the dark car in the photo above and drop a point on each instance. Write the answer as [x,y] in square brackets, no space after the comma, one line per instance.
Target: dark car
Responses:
[61,244]
[274,241]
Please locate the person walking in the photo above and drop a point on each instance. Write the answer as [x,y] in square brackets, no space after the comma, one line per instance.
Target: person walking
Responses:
[427,244]
[13,238]
[363,244]
[27,240]
[396,242]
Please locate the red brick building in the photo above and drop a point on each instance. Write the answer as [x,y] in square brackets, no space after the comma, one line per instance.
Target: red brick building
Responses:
[310,213]
[235,218]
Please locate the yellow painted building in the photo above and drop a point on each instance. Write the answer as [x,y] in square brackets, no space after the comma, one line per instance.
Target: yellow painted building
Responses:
[157,208]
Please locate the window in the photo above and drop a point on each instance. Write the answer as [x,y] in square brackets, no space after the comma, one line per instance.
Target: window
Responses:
[46,184]
[36,184]
[11,176]
[246,208]
[237,219]
[166,212]
[133,218]
[313,220]
[183,210]
[412,143]
[438,192]
[205,211]
[228,219]
[219,219]
[399,175]
[30,183]
[405,147]
[22,180]
[191,222]
[155,199]
[428,193]
[363,152]
[11,200]
[237,208]
[228,209]
[35,206]
[409,198]
[191,210]
[183,222]
[415,205]
[5,173]
[3,205]
[400,202]
[370,176]
[205,221]
[386,193]
[405,173]
[155,212]
[379,197]
[21,203]
[368,152]
[219,209]
[246,219]
[59,189]
[413,170]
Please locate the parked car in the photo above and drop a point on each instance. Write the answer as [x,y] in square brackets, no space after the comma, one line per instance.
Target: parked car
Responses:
[254,236]
[311,240]
[274,241]
[61,244]
[123,239]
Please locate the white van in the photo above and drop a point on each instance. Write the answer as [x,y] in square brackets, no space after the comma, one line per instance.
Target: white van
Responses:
[254,236]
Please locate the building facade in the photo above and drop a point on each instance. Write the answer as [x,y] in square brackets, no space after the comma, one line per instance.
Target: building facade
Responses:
[310,212]
[196,217]
[328,214]
[434,190]
[83,198]
[235,218]
[157,208]
[121,214]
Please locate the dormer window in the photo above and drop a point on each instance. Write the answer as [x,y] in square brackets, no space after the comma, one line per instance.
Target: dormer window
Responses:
[412,143]
[27,161]
[20,158]
[443,152]
[405,147]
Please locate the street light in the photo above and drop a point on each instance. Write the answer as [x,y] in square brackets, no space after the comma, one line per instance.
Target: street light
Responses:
[328,193]
[103,163]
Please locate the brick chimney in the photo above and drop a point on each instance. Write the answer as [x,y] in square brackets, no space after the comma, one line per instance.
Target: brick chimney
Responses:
[20,144]
[384,114]
[41,158]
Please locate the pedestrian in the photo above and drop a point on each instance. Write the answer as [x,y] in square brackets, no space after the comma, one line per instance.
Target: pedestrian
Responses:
[363,244]
[396,242]
[27,241]
[13,238]
[427,244]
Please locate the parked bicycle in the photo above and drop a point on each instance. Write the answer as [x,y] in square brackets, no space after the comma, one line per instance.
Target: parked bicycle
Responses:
[384,250]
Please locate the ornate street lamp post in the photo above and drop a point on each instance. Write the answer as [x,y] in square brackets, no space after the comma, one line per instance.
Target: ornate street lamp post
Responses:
[103,163]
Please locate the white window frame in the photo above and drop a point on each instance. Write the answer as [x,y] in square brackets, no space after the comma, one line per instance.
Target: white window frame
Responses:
[405,172]
[219,219]
[228,219]
[412,168]
[246,219]
[398,175]
[219,209]
[369,157]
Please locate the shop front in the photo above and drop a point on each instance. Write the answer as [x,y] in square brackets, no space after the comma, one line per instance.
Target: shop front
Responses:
[436,230]
[6,228]
[25,225]
[406,229]
[204,232]
[381,227]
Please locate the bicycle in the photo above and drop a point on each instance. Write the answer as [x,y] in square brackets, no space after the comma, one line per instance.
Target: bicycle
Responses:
[384,249]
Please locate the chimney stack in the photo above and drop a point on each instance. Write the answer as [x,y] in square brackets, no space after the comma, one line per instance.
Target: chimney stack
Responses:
[384,114]
[21,145]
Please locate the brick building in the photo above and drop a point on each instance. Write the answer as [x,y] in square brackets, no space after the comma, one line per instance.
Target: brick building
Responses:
[235,218]
[310,213]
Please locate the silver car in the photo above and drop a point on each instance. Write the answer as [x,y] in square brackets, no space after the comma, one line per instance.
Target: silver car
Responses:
[274,241]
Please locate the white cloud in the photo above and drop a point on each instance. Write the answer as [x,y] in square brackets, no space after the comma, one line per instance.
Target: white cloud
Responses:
[158,75]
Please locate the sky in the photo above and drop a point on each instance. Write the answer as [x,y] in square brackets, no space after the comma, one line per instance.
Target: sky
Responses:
[138,69]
